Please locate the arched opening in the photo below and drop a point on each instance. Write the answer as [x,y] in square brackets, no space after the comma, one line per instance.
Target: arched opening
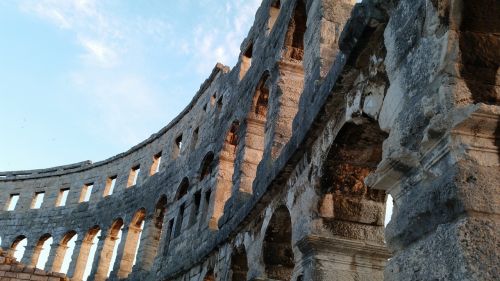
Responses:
[246,61]
[68,255]
[239,264]
[86,255]
[206,165]
[294,38]
[109,250]
[64,252]
[255,135]
[132,243]
[277,249]
[182,189]
[346,200]
[274,11]
[18,247]
[41,251]
[152,235]
[225,175]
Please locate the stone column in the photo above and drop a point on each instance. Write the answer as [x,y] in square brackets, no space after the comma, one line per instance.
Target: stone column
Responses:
[99,259]
[74,257]
[56,257]
[119,254]
[150,240]
[128,253]
[30,254]
[79,260]
[105,258]
[334,258]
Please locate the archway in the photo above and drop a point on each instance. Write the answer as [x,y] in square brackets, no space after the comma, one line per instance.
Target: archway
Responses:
[41,251]
[109,249]
[18,247]
[132,243]
[88,246]
[277,248]
[62,252]
[347,200]
[239,264]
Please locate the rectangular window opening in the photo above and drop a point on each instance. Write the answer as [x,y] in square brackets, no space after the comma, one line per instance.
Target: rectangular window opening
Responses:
[62,197]
[11,206]
[134,176]
[196,208]
[180,218]
[155,167]
[194,140]
[37,200]
[86,192]
[110,186]
[177,147]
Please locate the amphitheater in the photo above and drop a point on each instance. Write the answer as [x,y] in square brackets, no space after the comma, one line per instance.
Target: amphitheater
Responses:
[279,168]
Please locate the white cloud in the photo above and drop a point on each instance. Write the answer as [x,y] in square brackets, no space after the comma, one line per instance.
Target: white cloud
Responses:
[98,53]
[113,75]
[222,43]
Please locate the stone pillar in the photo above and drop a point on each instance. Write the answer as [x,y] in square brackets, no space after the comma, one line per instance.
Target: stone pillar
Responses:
[30,254]
[334,258]
[100,259]
[79,261]
[119,254]
[128,253]
[104,262]
[442,158]
[56,257]
[150,240]
[74,257]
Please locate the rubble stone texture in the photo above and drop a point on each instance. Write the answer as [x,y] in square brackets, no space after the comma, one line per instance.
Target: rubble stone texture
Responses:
[279,168]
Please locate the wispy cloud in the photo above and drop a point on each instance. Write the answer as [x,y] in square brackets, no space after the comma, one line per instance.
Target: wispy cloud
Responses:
[222,43]
[115,50]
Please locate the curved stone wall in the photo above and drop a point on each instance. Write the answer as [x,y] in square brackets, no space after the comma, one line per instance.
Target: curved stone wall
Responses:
[278,168]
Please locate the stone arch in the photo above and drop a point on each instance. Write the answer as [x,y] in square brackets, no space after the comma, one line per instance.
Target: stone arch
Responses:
[62,252]
[42,245]
[277,247]
[108,251]
[182,189]
[14,251]
[206,166]
[274,11]
[239,264]
[151,237]
[132,243]
[225,174]
[346,200]
[255,134]
[294,38]
[82,262]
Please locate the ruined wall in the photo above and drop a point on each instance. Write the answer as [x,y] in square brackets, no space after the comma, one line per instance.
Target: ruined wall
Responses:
[278,169]
[12,270]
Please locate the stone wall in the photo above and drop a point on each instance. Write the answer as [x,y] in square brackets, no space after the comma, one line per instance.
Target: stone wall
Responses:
[11,270]
[279,168]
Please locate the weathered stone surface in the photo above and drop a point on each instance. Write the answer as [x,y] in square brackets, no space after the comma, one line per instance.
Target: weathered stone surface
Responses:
[279,168]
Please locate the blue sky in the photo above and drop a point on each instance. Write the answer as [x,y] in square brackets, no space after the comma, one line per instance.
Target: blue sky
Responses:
[87,79]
